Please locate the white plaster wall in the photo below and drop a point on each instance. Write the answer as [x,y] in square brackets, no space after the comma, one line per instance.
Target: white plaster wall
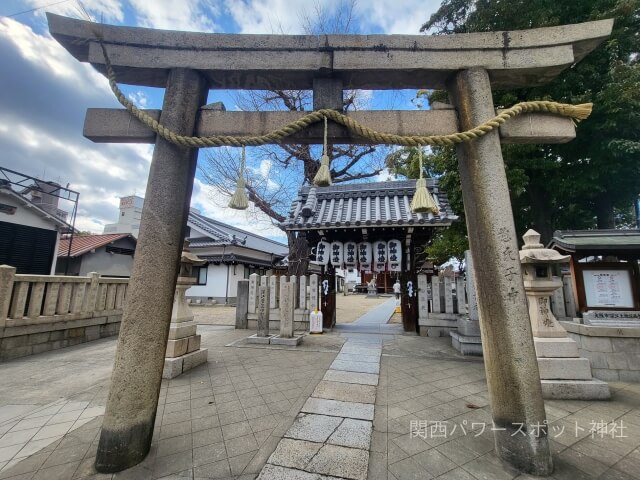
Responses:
[24,215]
[216,286]
[106,264]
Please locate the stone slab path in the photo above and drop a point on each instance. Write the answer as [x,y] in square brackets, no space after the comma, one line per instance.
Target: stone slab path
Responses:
[331,436]
[374,321]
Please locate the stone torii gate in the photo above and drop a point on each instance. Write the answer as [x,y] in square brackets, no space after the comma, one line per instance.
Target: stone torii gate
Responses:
[187,65]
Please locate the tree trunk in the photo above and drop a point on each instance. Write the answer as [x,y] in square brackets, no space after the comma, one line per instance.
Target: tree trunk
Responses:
[604,211]
[541,213]
[298,253]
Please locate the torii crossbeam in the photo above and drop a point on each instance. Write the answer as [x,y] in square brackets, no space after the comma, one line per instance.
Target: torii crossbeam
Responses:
[468,66]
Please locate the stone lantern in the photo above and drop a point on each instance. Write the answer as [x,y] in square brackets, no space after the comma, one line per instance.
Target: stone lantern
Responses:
[183,347]
[563,373]
[539,285]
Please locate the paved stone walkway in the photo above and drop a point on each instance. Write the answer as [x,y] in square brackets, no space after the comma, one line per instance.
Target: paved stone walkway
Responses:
[374,321]
[432,420]
[225,419]
[332,433]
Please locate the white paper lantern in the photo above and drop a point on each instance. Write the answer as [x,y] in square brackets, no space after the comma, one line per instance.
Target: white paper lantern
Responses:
[364,256]
[380,255]
[350,254]
[336,254]
[323,251]
[394,255]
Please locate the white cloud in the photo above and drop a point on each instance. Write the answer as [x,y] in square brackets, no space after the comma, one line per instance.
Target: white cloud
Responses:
[44,99]
[208,200]
[284,16]
[398,16]
[269,16]
[139,98]
[188,15]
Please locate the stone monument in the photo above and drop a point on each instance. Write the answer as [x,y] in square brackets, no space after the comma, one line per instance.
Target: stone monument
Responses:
[183,347]
[287,310]
[467,339]
[263,335]
[563,373]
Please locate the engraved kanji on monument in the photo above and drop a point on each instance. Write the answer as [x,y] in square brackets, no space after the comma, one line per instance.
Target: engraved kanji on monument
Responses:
[264,301]
[448,295]
[274,285]
[461,297]
[435,294]
[287,304]
[423,297]
[254,282]
[313,293]
[303,293]
[263,317]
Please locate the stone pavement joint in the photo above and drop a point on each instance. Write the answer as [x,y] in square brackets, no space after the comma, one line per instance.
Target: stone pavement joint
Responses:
[332,434]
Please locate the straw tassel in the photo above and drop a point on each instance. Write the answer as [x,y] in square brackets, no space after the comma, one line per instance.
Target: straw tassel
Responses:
[422,200]
[239,200]
[323,176]
[581,112]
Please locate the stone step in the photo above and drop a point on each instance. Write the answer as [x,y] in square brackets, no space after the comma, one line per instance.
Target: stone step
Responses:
[564,368]
[466,345]
[593,389]
[564,347]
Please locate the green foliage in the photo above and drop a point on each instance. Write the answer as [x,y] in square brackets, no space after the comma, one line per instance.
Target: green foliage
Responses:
[590,181]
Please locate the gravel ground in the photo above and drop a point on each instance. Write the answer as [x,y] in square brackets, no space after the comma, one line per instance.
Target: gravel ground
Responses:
[349,308]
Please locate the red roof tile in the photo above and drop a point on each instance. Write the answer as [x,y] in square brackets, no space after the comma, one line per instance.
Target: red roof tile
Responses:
[82,244]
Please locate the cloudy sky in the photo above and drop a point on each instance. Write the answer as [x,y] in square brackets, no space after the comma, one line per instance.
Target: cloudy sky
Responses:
[45,92]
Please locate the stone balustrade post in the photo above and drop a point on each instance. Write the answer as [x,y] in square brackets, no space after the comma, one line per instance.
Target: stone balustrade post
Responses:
[91,293]
[7,275]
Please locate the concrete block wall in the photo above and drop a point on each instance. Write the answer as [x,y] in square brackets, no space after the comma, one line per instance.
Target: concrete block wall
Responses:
[22,341]
[614,352]
[39,313]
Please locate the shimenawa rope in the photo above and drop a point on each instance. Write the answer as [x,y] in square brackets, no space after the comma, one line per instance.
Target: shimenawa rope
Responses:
[422,201]
[577,112]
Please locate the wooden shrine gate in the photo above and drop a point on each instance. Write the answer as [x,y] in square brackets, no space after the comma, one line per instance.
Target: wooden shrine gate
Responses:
[187,65]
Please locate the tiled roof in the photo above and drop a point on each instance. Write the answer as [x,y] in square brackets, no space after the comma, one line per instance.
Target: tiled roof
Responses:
[365,204]
[82,244]
[596,240]
[219,234]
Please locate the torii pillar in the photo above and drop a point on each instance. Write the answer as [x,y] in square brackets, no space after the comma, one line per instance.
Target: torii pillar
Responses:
[130,415]
[509,355]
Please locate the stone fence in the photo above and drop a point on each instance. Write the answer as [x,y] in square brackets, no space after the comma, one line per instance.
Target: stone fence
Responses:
[47,312]
[441,300]
[306,299]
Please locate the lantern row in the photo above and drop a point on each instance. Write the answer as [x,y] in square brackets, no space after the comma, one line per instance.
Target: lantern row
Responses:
[376,256]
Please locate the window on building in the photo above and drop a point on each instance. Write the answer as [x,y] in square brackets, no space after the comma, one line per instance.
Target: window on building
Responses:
[201,275]
[251,270]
